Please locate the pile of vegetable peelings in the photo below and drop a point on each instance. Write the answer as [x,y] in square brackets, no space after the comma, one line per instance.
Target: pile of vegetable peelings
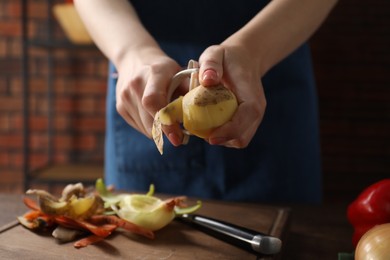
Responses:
[87,217]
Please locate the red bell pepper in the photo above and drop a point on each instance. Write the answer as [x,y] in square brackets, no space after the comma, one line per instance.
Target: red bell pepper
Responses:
[370,208]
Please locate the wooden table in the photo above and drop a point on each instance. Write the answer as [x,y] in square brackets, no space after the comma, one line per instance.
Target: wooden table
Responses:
[314,232]
[176,241]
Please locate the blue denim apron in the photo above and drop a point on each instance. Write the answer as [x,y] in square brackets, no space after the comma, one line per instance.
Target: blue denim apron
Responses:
[281,164]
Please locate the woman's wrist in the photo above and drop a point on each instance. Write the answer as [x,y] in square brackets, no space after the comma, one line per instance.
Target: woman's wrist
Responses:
[280,28]
[253,58]
[137,56]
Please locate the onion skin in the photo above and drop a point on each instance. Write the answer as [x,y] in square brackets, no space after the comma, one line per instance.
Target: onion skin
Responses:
[374,244]
[145,211]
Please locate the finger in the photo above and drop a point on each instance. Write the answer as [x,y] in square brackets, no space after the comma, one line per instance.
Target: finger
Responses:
[154,96]
[131,120]
[174,133]
[240,130]
[156,89]
[146,121]
[211,66]
[131,113]
[232,138]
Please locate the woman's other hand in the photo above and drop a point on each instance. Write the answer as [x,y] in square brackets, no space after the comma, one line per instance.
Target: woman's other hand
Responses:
[234,67]
[142,88]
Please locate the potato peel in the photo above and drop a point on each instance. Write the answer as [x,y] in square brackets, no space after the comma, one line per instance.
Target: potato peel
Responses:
[157,133]
[75,211]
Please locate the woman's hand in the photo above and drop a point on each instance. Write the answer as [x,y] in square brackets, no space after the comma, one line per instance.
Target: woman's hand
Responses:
[233,66]
[142,87]
[242,59]
[144,70]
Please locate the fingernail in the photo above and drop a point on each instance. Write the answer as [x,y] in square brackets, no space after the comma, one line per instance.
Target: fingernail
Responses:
[174,139]
[210,75]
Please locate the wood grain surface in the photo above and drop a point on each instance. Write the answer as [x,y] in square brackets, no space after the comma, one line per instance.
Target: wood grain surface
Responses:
[176,241]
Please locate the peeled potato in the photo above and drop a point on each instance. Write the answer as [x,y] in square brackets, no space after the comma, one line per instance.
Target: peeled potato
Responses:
[172,113]
[205,108]
[201,110]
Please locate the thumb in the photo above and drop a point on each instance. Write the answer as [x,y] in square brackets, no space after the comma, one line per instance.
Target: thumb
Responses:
[211,68]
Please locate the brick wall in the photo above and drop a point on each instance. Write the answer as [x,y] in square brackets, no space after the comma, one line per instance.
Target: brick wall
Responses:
[78,106]
[352,65]
[10,96]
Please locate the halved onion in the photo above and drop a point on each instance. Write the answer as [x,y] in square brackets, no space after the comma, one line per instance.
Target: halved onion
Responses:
[374,244]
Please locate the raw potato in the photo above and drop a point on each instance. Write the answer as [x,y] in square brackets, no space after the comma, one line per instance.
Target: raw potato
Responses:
[172,113]
[201,110]
[205,108]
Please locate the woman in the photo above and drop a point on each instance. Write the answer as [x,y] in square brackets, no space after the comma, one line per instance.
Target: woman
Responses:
[255,48]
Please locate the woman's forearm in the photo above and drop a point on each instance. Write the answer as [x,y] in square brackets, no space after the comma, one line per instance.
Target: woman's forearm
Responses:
[115,28]
[270,36]
[280,28]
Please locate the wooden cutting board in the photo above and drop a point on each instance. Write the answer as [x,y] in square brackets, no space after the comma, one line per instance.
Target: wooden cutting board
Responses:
[176,241]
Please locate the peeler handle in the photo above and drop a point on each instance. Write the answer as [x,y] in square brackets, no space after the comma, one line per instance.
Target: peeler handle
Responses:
[250,240]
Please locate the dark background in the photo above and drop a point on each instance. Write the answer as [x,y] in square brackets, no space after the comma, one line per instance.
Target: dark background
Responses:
[352,65]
